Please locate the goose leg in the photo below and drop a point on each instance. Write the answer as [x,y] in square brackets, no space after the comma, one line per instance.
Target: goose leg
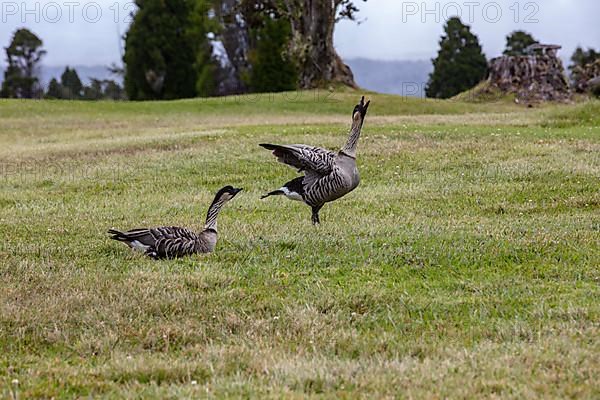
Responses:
[315,215]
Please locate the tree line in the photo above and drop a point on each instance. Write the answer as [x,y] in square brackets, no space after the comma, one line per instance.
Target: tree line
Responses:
[188,48]
[23,56]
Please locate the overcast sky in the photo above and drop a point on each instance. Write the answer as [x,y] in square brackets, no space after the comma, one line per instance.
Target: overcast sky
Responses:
[87,32]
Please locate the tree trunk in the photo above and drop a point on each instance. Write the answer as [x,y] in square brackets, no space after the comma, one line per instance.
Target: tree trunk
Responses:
[313,23]
[235,41]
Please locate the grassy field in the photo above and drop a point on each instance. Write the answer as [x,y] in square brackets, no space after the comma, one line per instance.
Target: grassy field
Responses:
[465,265]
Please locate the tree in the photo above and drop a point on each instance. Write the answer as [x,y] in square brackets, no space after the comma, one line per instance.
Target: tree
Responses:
[310,46]
[113,91]
[97,89]
[204,65]
[235,19]
[272,70]
[581,58]
[23,56]
[55,90]
[161,50]
[94,91]
[312,27]
[103,90]
[517,42]
[241,29]
[460,63]
[72,88]
[582,67]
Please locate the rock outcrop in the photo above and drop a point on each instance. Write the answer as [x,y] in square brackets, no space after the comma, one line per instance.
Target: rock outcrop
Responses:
[537,76]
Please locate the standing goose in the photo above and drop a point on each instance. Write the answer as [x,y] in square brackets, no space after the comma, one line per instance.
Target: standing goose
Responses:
[327,175]
[173,241]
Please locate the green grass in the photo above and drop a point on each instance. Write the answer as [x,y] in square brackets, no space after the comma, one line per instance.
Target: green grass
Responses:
[465,265]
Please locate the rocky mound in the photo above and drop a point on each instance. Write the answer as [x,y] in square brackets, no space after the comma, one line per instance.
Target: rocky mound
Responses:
[537,76]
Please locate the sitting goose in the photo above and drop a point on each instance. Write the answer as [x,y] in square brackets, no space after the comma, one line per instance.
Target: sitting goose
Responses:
[173,241]
[327,175]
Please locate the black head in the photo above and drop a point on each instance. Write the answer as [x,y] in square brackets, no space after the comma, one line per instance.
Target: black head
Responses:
[227,193]
[360,111]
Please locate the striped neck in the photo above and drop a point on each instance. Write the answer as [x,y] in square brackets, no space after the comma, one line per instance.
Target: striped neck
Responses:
[212,214]
[350,146]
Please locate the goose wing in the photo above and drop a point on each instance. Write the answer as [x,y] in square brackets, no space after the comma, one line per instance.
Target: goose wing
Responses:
[172,232]
[161,242]
[173,242]
[313,160]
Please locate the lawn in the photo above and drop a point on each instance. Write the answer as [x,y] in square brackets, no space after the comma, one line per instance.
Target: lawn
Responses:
[465,265]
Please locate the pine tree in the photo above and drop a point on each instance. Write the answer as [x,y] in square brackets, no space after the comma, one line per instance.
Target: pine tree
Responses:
[460,63]
[23,56]
[161,50]
[54,90]
[517,42]
[72,88]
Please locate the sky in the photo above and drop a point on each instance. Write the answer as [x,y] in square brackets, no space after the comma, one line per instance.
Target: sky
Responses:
[398,29]
[80,32]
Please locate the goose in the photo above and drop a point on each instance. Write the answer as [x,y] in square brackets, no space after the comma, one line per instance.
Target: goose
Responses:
[327,175]
[173,241]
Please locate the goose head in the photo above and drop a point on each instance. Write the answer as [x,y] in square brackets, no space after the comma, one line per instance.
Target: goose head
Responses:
[360,111]
[227,193]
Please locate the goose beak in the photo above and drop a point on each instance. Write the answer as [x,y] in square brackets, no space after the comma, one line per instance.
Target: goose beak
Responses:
[237,190]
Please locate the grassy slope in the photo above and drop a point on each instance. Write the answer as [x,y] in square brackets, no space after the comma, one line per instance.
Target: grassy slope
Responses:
[465,265]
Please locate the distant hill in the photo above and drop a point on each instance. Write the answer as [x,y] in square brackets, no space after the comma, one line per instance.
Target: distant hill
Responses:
[406,78]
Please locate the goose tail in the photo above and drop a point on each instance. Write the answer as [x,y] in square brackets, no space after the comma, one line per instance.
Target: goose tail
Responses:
[117,235]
